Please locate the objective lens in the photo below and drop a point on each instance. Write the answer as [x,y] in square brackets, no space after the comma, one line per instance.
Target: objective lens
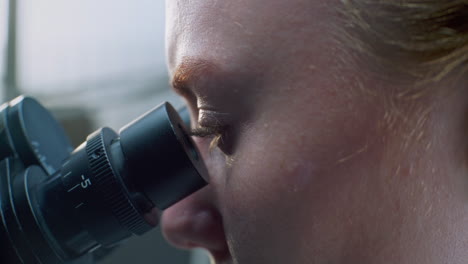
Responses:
[100,193]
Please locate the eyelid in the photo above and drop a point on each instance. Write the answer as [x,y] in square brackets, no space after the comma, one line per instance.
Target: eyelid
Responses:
[207,131]
[214,125]
[212,119]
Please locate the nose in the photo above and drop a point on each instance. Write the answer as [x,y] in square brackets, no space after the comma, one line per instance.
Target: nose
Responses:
[195,222]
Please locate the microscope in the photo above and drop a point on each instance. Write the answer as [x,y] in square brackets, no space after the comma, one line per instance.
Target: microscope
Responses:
[62,205]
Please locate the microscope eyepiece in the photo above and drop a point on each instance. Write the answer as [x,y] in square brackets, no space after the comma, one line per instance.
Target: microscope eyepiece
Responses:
[58,205]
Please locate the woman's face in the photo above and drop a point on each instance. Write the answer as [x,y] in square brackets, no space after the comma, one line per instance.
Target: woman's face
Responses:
[305,171]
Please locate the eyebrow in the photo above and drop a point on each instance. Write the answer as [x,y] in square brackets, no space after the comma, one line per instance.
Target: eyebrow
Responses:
[189,72]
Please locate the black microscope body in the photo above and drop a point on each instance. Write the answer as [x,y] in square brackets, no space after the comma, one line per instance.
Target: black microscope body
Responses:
[62,205]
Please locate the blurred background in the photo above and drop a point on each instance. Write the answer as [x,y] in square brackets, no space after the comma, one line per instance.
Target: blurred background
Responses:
[93,64]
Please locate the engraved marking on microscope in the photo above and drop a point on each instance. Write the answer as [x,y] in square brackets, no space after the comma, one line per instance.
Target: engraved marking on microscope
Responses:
[78,206]
[68,174]
[74,187]
[85,183]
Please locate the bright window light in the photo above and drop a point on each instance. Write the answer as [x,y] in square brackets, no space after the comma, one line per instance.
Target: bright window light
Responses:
[62,42]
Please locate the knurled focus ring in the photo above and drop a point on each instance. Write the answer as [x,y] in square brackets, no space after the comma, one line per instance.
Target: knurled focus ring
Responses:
[113,191]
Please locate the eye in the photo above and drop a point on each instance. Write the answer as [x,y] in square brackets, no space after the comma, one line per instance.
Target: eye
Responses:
[217,133]
[216,126]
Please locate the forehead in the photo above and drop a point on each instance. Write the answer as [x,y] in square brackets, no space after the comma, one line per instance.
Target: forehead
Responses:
[252,27]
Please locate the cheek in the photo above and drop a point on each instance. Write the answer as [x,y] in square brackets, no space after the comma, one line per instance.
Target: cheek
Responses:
[262,198]
[284,182]
[266,170]
[260,204]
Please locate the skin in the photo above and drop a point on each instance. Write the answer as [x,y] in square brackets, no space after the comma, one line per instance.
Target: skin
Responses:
[315,164]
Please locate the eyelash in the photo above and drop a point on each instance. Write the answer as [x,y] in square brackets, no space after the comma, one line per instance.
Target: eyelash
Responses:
[215,132]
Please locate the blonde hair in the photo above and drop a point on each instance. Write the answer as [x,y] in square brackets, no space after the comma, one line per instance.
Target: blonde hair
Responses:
[424,40]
